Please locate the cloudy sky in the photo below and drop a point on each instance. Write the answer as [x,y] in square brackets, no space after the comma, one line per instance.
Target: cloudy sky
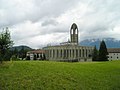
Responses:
[37,23]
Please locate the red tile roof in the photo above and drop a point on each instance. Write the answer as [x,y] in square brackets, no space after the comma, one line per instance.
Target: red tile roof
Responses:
[37,51]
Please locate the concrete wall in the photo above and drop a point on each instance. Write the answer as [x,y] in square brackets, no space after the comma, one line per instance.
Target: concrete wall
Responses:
[69,53]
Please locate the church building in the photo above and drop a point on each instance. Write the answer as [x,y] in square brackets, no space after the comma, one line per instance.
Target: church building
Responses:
[69,51]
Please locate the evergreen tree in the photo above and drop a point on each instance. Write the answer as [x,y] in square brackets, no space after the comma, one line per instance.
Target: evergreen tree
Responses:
[22,53]
[95,54]
[103,52]
[5,44]
[15,52]
[27,57]
[35,57]
[44,57]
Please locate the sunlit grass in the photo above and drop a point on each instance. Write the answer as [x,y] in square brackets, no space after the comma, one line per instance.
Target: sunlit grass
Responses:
[45,75]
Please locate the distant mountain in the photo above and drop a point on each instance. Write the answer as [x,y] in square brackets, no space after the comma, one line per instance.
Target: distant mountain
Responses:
[20,47]
[110,42]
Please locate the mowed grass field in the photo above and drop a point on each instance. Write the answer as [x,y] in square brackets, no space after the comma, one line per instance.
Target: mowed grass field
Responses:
[45,75]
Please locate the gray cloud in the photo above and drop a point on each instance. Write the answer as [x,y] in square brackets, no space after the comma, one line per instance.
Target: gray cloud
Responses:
[103,18]
[46,21]
[49,22]
[14,11]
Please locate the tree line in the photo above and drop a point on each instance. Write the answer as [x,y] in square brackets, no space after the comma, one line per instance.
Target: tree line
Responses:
[18,54]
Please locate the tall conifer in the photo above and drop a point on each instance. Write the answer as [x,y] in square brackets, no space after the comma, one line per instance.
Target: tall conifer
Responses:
[103,52]
[95,54]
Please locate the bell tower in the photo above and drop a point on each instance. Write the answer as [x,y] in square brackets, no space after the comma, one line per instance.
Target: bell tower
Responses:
[74,34]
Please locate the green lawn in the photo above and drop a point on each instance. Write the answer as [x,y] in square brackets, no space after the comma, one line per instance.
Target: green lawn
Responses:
[44,75]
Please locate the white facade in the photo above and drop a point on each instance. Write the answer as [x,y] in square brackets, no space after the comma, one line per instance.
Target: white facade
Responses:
[114,56]
[36,55]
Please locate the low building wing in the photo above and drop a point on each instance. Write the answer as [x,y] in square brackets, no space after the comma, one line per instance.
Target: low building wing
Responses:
[113,53]
[36,55]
